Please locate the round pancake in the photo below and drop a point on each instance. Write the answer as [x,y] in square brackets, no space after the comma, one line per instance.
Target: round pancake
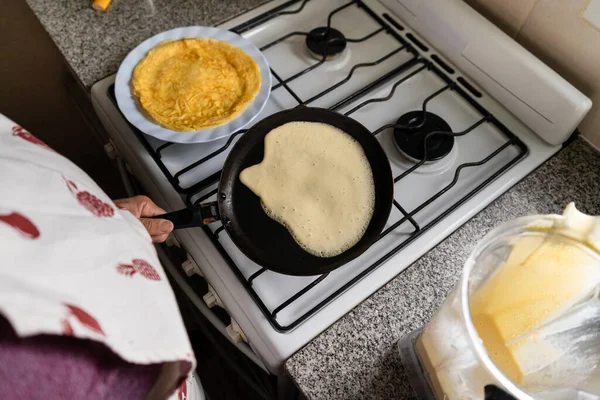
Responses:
[196,83]
[315,180]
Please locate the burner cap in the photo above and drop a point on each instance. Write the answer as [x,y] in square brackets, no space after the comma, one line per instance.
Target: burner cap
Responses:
[328,42]
[410,141]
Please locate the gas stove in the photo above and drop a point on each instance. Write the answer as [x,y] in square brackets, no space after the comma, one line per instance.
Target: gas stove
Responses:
[402,71]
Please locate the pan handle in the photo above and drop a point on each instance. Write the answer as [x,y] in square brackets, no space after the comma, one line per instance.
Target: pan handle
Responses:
[202,214]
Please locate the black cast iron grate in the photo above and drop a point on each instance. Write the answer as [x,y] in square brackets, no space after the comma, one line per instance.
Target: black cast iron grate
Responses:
[420,65]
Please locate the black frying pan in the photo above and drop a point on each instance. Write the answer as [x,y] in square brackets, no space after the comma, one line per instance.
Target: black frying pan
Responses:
[260,238]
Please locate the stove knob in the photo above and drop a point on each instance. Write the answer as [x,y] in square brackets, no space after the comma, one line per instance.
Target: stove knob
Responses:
[235,332]
[111,152]
[212,299]
[190,267]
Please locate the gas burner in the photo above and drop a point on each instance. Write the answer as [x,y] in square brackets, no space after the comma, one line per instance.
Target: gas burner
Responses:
[409,141]
[328,42]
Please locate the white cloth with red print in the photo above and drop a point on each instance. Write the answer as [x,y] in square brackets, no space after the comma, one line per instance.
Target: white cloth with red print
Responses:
[72,263]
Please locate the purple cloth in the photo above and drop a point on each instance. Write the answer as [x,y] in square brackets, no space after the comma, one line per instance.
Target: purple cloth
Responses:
[61,367]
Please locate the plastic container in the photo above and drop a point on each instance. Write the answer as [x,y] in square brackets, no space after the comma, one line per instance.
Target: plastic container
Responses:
[447,359]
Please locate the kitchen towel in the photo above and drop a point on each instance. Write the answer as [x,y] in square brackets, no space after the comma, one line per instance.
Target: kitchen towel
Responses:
[72,263]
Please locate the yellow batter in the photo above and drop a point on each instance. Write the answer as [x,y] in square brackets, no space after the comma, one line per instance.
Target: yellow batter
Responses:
[315,180]
[193,84]
[542,278]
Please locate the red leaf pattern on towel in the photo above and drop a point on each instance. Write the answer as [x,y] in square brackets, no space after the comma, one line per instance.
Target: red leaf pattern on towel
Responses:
[182,391]
[21,224]
[22,133]
[67,328]
[85,318]
[126,269]
[89,201]
[95,205]
[146,269]
[141,266]
[71,185]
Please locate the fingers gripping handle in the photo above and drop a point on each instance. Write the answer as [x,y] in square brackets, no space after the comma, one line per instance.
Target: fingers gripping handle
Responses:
[199,215]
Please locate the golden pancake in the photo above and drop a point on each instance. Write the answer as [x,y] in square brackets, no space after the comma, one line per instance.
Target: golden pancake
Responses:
[315,180]
[192,84]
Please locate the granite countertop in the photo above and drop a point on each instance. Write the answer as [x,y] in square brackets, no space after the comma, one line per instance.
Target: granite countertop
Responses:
[357,358]
[94,43]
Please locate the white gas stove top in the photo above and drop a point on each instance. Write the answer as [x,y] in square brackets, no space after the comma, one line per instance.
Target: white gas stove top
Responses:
[384,72]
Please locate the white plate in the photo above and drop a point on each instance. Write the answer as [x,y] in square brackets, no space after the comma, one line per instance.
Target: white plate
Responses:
[129,107]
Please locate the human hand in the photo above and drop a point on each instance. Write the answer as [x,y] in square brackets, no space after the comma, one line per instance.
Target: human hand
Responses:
[142,206]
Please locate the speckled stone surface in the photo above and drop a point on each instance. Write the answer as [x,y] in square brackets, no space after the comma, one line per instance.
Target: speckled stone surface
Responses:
[357,357]
[94,43]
